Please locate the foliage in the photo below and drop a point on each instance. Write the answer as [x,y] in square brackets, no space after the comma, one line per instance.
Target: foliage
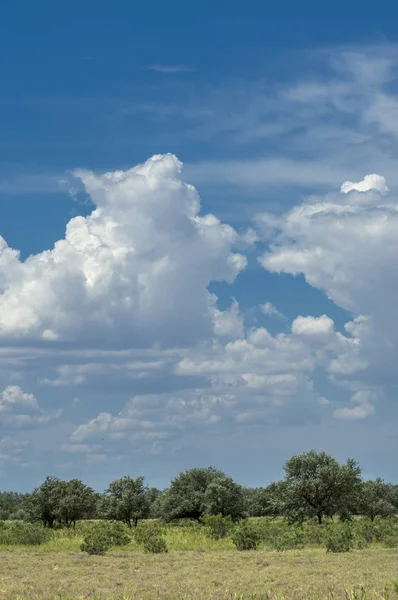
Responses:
[246,536]
[289,538]
[75,501]
[225,497]
[317,485]
[125,500]
[339,538]
[375,499]
[19,533]
[258,501]
[96,543]
[60,502]
[202,491]
[10,505]
[42,503]
[115,531]
[218,527]
[150,536]
[153,495]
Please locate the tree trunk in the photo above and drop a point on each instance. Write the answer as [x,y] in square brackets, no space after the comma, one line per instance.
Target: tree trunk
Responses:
[319,515]
[135,521]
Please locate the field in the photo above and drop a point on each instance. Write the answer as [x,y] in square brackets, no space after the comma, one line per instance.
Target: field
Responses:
[195,567]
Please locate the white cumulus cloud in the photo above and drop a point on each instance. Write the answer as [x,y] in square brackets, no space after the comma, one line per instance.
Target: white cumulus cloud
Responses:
[369,182]
[135,271]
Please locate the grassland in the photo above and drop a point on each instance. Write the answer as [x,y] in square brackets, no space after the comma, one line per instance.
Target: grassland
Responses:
[196,568]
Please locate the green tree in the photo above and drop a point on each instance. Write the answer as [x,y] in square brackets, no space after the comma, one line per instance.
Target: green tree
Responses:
[75,501]
[43,502]
[10,505]
[375,499]
[154,497]
[125,500]
[258,501]
[201,491]
[225,497]
[316,485]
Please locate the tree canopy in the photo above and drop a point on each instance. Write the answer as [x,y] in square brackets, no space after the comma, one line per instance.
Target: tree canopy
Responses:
[202,491]
[125,500]
[316,485]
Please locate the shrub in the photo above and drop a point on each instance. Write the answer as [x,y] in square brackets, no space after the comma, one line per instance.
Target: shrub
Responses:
[386,531]
[114,530]
[149,535]
[246,536]
[315,533]
[155,544]
[217,526]
[363,534]
[96,543]
[26,534]
[289,539]
[339,538]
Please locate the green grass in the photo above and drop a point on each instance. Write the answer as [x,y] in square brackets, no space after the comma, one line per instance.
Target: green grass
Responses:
[219,575]
[196,568]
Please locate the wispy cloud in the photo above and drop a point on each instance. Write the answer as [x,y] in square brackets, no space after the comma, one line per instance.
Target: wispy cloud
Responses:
[168,68]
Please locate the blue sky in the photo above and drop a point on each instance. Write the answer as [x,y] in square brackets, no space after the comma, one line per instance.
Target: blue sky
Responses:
[231,310]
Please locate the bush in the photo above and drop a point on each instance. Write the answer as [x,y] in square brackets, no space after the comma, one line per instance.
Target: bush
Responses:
[217,526]
[289,539]
[25,534]
[149,535]
[363,534]
[114,530]
[315,533]
[246,536]
[96,543]
[339,538]
[386,531]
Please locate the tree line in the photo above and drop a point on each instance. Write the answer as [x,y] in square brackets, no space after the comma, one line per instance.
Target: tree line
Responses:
[315,486]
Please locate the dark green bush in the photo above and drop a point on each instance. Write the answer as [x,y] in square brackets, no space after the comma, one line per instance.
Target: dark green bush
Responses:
[217,526]
[117,532]
[246,536]
[96,543]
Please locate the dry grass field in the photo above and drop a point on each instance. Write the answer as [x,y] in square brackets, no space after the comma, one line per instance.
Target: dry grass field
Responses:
[219,574]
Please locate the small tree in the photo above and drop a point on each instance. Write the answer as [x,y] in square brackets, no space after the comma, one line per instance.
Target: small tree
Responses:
[125,500]
[75,501]
[316,485]
[375,499]
[153,495]
[201,491]
[225,497]
[10,505]
[42,504]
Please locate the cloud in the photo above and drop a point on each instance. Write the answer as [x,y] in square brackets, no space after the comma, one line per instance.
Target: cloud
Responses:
[13,396]
[369,182]
[169,68]
[346,245]
[313,327]
[256,379]
[134,272]
[364,407]
[269,309]
[19,409]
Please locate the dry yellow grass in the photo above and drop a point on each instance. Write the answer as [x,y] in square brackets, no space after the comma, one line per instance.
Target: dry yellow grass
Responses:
[299,574]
